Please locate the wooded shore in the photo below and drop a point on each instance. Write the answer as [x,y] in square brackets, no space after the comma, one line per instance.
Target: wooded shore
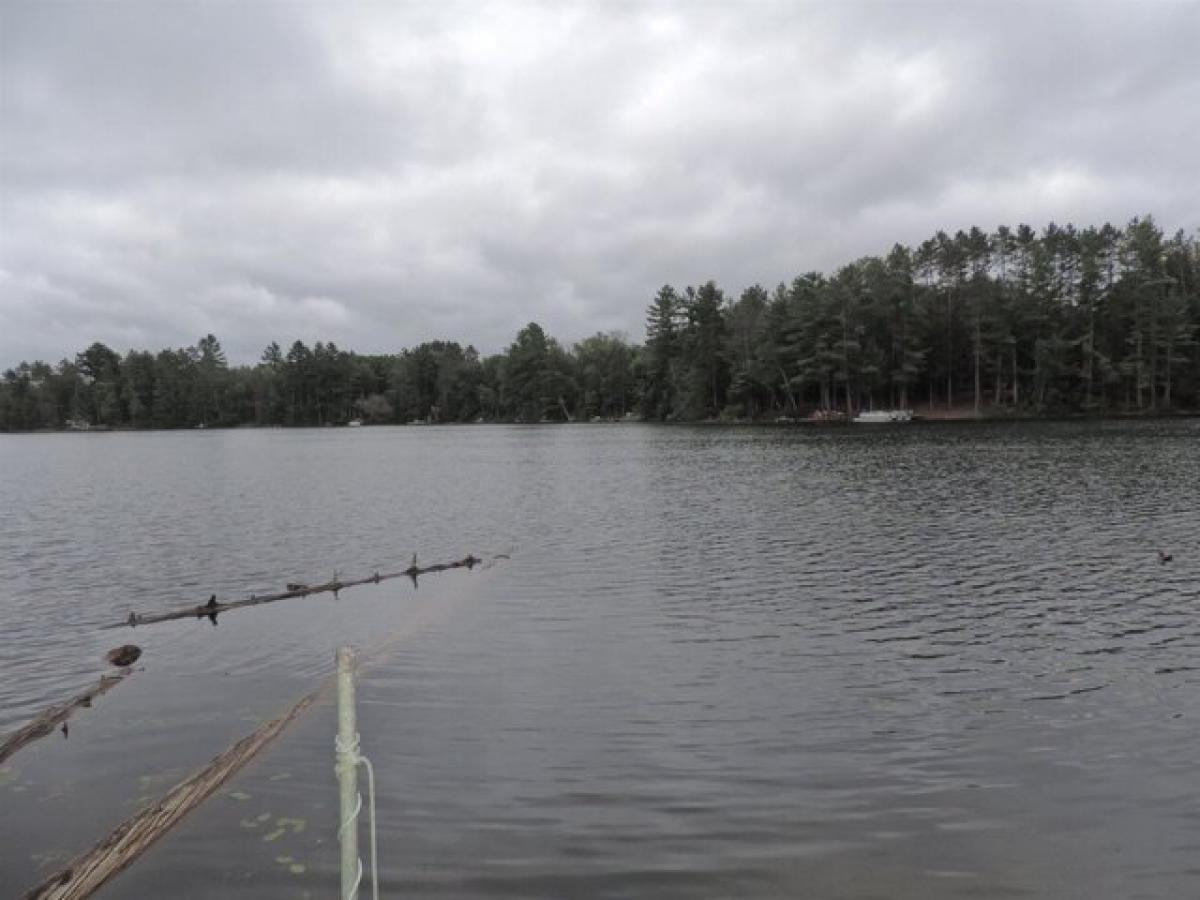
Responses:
[1097,320]
[960,414]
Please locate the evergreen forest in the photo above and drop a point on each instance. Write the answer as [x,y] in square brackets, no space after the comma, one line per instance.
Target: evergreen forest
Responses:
[1100,320]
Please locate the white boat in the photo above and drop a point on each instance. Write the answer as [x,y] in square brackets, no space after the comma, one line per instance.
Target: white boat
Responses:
[883,416]
[354,423]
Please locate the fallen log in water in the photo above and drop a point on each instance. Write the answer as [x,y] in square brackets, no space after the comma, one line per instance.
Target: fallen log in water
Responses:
[53,716]
[123,845]
[212,608]
[87,872]
[49,718]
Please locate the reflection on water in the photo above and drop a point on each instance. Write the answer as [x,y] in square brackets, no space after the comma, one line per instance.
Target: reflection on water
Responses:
[939,661]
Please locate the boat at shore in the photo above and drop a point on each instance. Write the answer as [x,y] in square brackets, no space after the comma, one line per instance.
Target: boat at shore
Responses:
[883,416]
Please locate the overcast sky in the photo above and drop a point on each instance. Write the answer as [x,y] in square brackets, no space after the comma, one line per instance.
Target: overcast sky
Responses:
[385,174]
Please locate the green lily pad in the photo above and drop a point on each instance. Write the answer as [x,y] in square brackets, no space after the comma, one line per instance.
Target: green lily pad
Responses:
[239,795]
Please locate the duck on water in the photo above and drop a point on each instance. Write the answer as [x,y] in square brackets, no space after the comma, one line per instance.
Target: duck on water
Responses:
[124,656]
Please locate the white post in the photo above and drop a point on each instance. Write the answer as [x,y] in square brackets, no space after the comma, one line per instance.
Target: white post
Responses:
[346,768]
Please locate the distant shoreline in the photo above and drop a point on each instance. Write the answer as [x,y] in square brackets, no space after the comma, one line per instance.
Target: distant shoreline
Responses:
[956,417]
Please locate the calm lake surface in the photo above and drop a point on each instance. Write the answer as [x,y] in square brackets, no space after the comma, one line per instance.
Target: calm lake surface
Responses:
[931,661]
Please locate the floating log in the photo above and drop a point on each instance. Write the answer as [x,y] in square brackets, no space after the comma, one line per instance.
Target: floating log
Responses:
[212,608]
[86,873]
[114,853]
[52,716]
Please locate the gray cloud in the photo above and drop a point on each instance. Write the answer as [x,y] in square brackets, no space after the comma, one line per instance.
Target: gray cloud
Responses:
[380,175]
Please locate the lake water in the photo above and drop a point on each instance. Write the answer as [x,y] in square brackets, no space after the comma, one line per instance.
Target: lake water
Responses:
[918,662]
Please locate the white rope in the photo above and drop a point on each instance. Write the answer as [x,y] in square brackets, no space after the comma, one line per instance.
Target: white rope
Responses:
[350,755]
[374,854]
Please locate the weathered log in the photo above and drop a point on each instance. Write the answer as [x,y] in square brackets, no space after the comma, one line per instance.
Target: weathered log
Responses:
[46,721]
[131,838]
[86,873]
[212,609]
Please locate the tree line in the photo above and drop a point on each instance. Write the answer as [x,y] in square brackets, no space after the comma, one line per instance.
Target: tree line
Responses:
[1058,321]
[439,381]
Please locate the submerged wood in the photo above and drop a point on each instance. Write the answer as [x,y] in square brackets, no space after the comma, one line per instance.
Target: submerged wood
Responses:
[87,872]
[116,852]
[120,848]
[46,721]
[212,609]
